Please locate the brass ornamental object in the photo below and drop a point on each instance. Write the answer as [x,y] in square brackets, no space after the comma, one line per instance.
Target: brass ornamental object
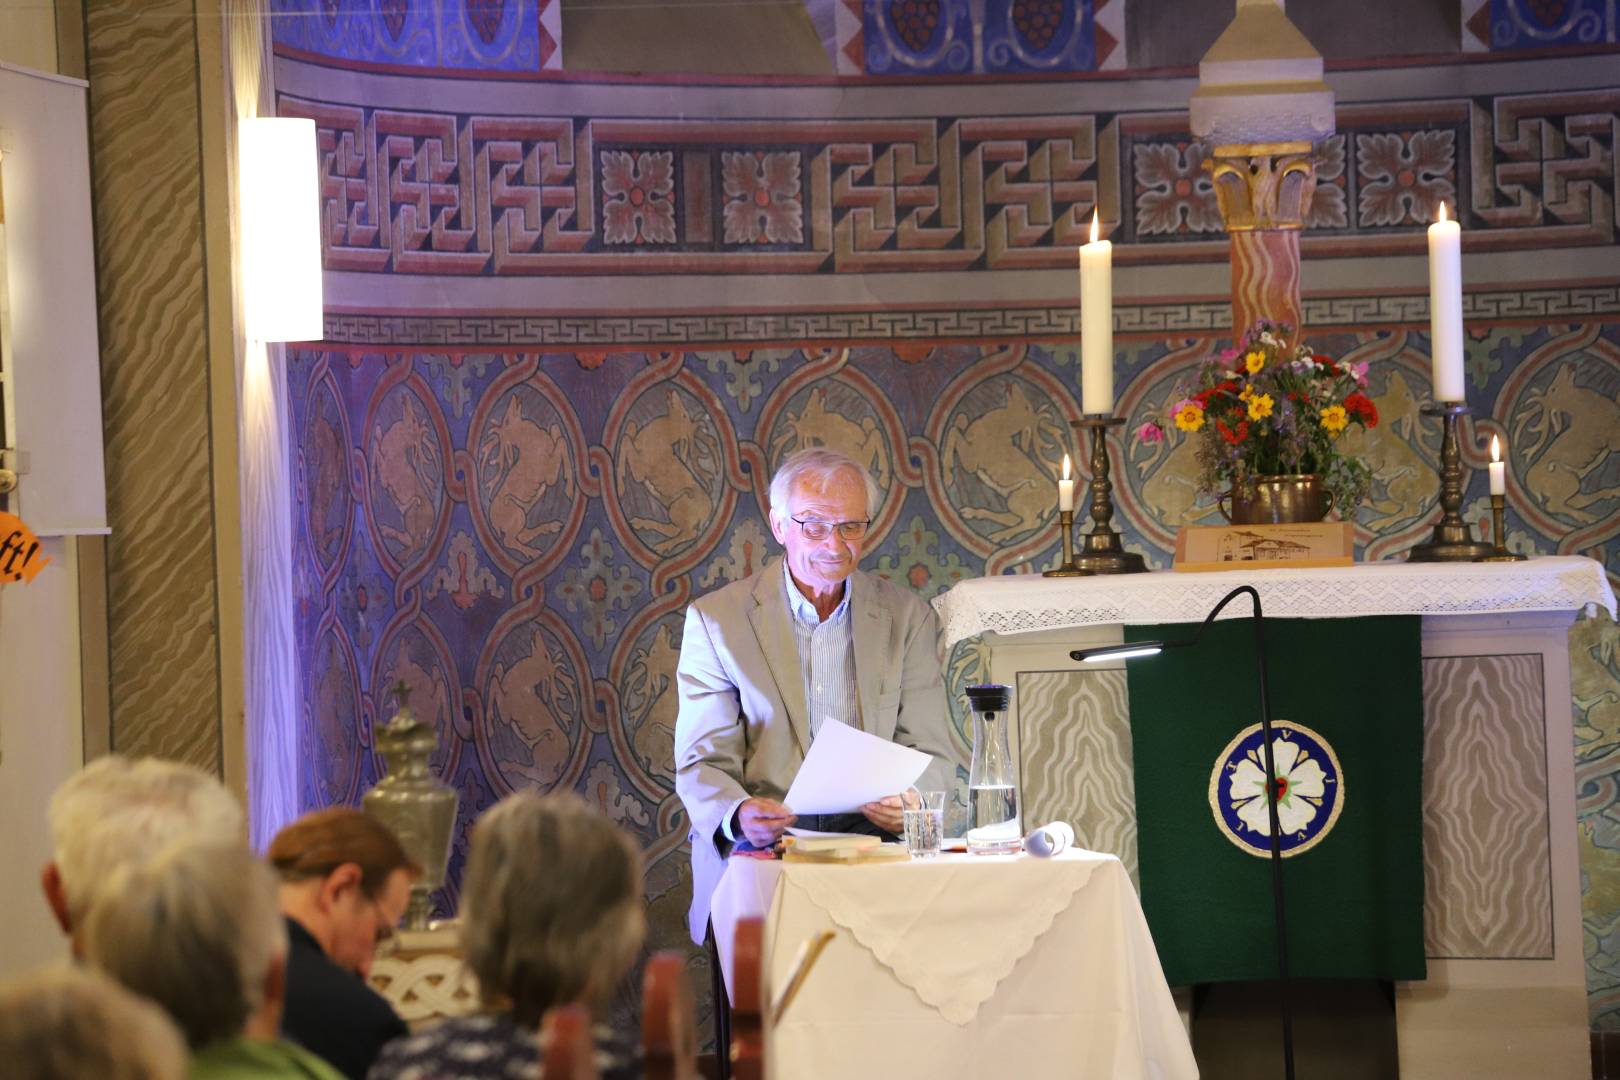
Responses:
[415,804]
[1102,552]
[1453,540]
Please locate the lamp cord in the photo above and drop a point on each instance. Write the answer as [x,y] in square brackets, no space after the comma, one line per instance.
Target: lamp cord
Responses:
[1279,911]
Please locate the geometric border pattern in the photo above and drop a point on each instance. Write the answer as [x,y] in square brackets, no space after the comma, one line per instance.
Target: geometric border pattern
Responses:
[1600,301]
[418,191]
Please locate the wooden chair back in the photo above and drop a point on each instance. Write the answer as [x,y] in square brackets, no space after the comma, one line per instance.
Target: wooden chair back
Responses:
[748,1000]
[569,1052]
[668,1019]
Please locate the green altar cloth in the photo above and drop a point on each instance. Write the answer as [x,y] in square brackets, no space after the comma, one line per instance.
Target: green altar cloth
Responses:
[1347,710]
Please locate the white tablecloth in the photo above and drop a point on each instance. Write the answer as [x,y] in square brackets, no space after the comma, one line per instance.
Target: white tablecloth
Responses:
[1018,603]
[968,966]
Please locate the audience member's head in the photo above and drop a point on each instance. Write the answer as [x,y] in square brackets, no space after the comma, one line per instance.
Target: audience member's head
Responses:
[551,902]
[196,929]
[117,811]
[66,1023]
[345,879]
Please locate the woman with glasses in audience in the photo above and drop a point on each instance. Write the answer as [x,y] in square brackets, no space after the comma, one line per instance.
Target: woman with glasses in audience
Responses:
[345,883]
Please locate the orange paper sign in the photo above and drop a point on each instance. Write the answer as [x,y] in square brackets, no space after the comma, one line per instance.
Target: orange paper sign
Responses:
[20,557]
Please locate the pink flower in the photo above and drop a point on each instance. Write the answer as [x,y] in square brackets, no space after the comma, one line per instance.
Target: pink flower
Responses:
[1358,371]
[1150,432]
[1229,356]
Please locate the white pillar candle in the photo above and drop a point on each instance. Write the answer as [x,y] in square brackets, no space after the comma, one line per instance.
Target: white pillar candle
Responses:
[1498,469]
[1445,308]
[1097,325]
[1066,488]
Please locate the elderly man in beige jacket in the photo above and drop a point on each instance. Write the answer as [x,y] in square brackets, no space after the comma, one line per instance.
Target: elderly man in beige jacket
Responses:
[764,661]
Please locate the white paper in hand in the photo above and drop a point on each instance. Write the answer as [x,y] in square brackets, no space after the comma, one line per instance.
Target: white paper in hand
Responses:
[847,768]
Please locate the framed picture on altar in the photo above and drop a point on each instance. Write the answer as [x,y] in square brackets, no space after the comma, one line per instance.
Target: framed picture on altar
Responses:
[1254,547]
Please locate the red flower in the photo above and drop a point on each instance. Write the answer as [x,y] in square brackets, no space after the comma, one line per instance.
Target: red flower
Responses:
[1231,436]
[1360,405]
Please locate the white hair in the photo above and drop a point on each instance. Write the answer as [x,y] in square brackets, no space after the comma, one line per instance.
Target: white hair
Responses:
[196,929]
[817,465]
[67,1022]
[116,811]
[551,903]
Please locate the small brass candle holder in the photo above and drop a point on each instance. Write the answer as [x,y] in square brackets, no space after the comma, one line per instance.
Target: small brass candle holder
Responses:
[1453,540]
[1500,553]
[1066,568]
[1102,553]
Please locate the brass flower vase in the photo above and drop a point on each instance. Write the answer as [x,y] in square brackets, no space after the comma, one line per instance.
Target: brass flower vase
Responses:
[1277,500]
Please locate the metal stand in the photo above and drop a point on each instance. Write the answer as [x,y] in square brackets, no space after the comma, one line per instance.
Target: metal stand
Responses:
[1066,568]
[1500,553]
[1453,540]
[1102,553]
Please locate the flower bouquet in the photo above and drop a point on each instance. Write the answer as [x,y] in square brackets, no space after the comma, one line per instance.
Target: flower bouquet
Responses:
[1272,408]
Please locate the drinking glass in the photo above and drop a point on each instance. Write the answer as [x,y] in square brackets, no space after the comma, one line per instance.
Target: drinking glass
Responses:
[924,813]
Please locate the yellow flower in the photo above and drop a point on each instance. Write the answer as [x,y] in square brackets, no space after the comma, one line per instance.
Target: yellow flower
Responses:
[1246,394]
[1190,417]
[1254,361]
[1260,406]
[1334,419]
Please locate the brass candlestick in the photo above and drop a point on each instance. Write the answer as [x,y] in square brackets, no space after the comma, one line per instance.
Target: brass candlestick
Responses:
[1453,540]
[1066,568]
[1102,553]
[1500,553]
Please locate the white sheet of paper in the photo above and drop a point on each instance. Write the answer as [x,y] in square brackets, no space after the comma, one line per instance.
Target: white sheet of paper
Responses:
[817,834]
[847,768]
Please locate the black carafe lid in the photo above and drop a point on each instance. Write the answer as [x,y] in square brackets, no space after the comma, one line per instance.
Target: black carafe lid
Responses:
[988,698]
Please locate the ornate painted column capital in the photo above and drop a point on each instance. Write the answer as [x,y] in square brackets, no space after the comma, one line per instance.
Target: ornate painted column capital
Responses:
[1261,106]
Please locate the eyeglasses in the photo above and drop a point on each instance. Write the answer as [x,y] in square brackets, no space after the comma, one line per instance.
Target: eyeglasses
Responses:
[820,530]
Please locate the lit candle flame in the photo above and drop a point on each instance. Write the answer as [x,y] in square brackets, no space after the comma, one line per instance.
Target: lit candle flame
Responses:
[1442,211]
[1065,466]
[1496,449]
[1093,226]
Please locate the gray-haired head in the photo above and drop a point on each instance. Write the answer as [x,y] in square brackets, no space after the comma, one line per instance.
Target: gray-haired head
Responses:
[815,466]
[197,929]
[119,810]
[551,903]
[67,1022]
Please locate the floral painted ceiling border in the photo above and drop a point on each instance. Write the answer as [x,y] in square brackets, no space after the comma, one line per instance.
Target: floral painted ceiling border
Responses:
[1520,25]
[457,35]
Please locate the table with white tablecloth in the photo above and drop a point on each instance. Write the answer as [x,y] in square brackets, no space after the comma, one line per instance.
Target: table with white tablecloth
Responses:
[962,965]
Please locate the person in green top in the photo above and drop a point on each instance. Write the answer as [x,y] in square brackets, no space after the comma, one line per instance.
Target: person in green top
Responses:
[199,931]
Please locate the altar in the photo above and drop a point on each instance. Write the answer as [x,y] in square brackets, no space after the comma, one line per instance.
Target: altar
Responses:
[1505,989]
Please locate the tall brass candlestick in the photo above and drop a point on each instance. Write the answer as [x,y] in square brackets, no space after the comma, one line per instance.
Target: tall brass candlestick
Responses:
[1102,553]
[1066,568]
[1453,540]
[1500,553]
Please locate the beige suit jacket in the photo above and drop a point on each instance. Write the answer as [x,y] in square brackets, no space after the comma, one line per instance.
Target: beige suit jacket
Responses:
[743,728]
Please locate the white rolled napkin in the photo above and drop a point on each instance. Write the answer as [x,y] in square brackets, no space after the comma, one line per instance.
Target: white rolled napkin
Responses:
[1049,840]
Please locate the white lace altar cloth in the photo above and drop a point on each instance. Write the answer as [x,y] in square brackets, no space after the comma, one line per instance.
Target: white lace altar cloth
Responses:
[1021,603]
[967,966]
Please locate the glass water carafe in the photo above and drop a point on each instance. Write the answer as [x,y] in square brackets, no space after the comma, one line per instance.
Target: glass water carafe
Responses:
[993,822]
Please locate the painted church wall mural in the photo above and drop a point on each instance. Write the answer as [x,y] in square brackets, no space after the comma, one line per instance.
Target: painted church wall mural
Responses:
[566,347]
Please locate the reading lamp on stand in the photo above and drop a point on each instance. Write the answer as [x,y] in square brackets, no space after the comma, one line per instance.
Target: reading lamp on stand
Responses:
[1150,648]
